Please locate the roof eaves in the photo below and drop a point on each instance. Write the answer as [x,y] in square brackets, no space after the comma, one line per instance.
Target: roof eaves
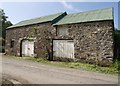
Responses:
[25,25]
[81,22]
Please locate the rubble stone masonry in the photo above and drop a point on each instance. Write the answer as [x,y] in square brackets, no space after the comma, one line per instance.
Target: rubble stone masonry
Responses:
[93,40]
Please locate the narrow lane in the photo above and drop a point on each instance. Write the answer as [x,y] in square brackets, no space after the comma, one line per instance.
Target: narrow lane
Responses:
[28,72]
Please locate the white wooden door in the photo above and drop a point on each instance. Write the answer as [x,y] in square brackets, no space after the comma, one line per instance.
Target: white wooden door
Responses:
[28,48]
[63,48]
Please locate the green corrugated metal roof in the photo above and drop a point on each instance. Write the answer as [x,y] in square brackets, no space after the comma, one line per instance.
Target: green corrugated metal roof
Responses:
[95,15]
[37,20]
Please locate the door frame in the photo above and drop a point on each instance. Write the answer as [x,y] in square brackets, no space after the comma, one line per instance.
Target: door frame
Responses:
[21,40]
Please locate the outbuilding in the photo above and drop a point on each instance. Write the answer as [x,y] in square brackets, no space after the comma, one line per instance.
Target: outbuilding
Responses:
[85,37]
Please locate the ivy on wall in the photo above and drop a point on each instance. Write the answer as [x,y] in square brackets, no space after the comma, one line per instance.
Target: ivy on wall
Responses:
[32,33]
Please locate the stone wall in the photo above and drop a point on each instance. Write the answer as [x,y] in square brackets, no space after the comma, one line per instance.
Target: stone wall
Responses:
[42,33]
[93,40]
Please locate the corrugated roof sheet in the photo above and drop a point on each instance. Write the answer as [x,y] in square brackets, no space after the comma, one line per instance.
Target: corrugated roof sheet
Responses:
[95,15]
[37,20]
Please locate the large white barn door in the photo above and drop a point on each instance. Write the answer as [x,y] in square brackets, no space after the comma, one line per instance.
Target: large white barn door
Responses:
[63,48]
[27,48]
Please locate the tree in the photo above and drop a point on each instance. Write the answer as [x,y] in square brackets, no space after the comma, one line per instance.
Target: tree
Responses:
[3,25]
[117,44]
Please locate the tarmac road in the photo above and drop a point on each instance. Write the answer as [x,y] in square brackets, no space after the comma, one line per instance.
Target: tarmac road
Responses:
[28,72]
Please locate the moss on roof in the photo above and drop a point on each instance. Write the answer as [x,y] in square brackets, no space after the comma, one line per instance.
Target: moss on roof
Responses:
[37,20]
[94,15]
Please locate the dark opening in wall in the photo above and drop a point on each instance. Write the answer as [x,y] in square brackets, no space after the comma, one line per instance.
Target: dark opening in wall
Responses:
[12,43]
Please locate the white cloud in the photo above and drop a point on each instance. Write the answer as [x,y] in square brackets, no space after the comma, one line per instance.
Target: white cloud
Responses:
[69,6]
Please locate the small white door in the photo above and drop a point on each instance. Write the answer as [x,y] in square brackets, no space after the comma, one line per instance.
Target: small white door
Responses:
[63,48]
[27,48]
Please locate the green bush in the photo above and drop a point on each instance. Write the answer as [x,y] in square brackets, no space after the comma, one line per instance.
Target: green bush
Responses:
[117,44]
[2,47]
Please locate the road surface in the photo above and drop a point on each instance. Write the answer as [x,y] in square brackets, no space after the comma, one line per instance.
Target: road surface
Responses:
[29,72]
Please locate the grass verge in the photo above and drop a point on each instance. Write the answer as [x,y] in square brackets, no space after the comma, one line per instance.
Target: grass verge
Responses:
[76,65]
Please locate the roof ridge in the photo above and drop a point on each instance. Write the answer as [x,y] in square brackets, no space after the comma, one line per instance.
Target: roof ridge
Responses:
[90,11]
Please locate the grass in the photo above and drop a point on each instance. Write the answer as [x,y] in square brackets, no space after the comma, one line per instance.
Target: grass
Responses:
[77,65]
[6,82]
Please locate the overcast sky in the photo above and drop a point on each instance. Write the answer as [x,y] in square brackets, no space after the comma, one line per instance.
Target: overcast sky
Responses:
[18,11]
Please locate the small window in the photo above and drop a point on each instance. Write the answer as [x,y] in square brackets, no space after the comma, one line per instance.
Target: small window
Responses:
[12,43]
[62,31]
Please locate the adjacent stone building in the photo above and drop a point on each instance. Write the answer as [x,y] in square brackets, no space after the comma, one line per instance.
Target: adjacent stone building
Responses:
[85,37]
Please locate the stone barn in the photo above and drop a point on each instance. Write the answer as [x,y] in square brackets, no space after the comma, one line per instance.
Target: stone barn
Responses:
[85,37]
